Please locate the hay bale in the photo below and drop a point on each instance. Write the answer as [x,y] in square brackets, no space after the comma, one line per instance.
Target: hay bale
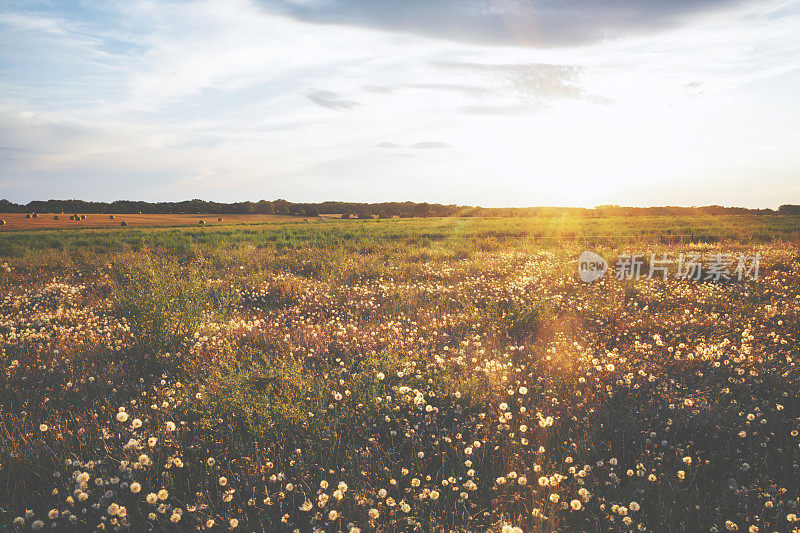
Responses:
[35,215]
[2,222]
[219,219]
[27,215]
[202,222]
[55,217]
[111,217]
[83,217]
[123,223]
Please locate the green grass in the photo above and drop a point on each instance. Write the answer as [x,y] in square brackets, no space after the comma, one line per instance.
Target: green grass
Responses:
[358,235]
[165,302]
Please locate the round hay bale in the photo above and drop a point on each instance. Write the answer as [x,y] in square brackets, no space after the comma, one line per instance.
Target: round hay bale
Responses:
[55,217]
[111,217]
[83,217]
[202,222]
[123,223]
[219,219]
[27,215]
[2,222]
[35,215]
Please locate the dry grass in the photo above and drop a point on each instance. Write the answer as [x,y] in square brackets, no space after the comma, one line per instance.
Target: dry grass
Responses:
[17,221]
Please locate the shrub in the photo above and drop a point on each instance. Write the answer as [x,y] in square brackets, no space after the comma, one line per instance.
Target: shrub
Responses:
[165,302]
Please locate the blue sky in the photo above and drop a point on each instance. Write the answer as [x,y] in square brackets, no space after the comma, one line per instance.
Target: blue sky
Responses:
[480,102]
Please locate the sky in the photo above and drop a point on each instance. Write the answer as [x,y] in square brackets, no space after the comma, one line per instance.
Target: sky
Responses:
[472,102]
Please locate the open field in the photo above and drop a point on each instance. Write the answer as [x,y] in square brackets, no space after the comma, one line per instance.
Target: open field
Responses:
[293,232]
[45,221]
[399,375]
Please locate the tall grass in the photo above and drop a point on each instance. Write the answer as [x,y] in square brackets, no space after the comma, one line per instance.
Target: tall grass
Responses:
[165,302]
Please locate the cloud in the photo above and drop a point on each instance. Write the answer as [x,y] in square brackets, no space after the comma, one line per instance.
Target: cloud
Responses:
[541,23]
[423,145]
[498,110]
[468,90]
[330,100]
[380,89]
[429,145]
[534,82]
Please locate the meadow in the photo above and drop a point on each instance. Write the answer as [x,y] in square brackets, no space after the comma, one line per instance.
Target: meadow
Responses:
[442,374]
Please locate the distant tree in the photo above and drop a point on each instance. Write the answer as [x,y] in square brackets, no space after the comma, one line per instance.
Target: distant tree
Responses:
[281,207]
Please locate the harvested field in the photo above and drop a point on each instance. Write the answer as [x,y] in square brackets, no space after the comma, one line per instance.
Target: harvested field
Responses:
[18,221]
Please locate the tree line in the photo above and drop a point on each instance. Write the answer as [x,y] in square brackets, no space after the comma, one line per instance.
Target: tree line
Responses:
[365,210]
